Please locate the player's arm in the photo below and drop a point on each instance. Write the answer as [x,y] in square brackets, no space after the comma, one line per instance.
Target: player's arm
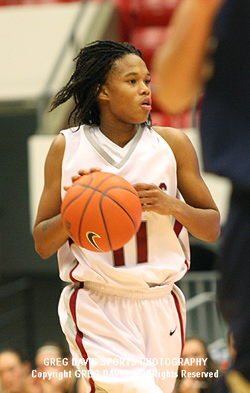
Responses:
[199,213]
[48,231]
[181,65]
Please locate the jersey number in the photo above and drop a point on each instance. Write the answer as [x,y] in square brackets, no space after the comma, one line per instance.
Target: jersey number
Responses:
[142,248]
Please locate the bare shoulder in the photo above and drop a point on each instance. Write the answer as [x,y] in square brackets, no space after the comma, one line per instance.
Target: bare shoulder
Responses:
[54,157]
[57,148]
[177,139]
[58,144]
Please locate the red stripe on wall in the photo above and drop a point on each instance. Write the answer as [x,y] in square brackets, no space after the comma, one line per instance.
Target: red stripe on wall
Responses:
[79,335]
[178,308]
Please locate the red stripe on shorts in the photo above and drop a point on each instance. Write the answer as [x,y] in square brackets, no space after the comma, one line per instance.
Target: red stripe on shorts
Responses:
[178,308]
[79,335]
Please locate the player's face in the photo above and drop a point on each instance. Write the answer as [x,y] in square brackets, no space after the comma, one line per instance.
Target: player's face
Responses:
[127,94]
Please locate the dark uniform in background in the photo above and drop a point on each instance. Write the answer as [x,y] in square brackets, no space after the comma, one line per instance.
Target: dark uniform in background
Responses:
[225,131]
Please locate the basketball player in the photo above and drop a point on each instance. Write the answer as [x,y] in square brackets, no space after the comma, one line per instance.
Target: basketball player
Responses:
[122,314]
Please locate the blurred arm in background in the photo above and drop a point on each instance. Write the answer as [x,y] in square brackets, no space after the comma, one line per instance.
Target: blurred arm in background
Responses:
[182,64]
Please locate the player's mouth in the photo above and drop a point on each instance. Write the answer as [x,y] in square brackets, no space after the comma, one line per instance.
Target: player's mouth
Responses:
[147,104]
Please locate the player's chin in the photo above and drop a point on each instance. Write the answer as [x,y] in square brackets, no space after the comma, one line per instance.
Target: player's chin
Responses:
[138,118]
[143,118]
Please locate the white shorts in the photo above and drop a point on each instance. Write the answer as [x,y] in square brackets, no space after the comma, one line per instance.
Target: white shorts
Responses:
[124,341]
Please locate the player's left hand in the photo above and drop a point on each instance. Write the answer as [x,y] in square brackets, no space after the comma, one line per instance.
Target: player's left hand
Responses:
[154,198]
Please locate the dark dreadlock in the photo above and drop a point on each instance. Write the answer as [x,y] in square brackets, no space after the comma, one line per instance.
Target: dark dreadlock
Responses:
[93,63]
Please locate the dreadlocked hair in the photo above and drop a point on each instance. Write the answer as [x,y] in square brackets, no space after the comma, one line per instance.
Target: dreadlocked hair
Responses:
[93,63]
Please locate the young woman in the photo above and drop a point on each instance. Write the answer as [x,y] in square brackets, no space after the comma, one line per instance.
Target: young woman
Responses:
[122,314]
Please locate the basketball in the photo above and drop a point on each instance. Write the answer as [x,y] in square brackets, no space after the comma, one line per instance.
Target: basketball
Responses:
[101,211]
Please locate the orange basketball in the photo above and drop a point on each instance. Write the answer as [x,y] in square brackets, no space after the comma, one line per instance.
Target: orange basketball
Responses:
[101,211]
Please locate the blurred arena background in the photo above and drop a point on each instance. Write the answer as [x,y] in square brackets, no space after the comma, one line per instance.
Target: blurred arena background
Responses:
[39,39]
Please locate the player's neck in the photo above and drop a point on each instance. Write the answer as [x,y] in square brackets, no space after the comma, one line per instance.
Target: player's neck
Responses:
[119,134]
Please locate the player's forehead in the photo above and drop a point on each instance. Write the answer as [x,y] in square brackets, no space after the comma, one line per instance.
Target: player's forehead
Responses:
[129,64]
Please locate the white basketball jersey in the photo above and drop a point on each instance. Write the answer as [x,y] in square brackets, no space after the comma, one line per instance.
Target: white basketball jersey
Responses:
[159,253]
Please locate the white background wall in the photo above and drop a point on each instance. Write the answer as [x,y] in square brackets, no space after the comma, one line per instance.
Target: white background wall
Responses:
[32,37]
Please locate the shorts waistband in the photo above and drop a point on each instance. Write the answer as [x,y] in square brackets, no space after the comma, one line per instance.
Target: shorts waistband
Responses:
[147,293]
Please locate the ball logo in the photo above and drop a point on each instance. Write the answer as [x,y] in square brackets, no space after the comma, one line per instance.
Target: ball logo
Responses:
[90,236]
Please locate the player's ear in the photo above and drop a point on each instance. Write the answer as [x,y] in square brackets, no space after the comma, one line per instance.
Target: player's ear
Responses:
[103,93]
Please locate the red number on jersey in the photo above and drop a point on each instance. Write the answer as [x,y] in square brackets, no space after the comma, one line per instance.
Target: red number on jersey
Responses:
[142,249]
